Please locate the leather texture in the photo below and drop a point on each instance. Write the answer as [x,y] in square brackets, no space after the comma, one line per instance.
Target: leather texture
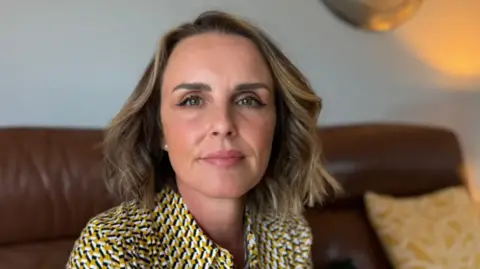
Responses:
[394,159]
[51,185]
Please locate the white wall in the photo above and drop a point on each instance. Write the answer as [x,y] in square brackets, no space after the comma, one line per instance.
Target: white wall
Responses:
[73,63]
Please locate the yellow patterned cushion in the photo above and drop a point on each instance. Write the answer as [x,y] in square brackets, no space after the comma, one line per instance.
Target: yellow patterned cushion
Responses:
[439,230]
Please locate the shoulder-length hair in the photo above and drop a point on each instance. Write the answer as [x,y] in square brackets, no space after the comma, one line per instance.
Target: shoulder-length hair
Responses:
[138,166]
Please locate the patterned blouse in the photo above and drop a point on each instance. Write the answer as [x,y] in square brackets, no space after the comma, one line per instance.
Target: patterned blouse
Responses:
[129,236]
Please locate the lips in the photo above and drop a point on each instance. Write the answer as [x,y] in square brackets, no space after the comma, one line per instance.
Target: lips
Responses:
[224,158]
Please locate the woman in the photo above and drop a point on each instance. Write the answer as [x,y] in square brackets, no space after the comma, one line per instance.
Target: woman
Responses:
[217,148]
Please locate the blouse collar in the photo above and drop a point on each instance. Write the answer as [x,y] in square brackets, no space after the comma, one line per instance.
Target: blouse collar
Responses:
[183,237]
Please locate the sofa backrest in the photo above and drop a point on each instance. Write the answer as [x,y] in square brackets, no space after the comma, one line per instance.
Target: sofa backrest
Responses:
[395,159]
[50,183]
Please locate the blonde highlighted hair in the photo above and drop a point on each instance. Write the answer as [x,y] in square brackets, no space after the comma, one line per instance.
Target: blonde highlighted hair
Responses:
[138,168]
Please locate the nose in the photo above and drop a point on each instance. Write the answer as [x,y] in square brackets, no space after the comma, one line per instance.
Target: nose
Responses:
[223,123]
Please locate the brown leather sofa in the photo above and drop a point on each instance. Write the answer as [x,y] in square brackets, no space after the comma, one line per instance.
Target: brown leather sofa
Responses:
[50,186]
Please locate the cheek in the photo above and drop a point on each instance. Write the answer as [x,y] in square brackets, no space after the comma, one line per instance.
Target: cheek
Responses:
[185,131]
[180,133]
[260,131]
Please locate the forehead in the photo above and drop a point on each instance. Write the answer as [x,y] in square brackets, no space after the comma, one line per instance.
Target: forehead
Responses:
[205,55]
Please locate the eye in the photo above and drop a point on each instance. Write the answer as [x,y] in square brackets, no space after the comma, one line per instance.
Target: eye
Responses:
[192,100]
[250,101]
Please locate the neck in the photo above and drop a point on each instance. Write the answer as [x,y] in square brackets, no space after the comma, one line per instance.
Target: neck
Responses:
[220,219]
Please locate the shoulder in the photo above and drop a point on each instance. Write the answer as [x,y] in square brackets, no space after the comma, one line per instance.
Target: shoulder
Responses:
[292,225]
[299,229]
[127,219]
[293,233]
[102,241]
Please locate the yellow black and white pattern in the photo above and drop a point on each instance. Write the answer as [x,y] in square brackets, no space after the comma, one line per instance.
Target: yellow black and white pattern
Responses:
[128,236]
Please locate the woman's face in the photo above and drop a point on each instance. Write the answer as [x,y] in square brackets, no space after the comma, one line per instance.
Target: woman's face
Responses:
[218,114]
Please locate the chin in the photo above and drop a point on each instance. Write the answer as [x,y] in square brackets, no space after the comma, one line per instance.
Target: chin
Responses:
[226,188]
[224,191]
[221,183]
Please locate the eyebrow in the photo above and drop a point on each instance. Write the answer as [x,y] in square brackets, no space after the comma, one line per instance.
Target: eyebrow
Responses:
[196,86]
